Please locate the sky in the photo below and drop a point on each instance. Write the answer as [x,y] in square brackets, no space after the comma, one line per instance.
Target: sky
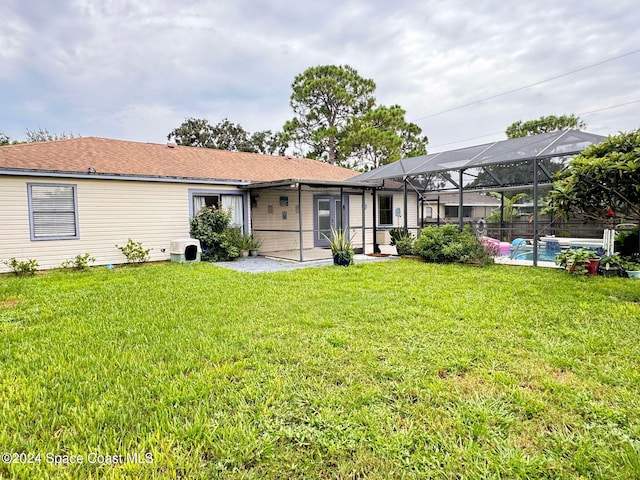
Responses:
[135,70]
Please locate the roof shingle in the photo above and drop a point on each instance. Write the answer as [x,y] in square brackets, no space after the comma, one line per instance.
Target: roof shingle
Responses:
[125,158]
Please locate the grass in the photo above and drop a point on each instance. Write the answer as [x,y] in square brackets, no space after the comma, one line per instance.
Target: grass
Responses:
[388,370]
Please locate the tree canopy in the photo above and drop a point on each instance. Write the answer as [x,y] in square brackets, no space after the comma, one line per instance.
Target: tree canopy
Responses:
[381,136]
[604,176]
[43,135]
[39,135]
[336,120]
[226,135]
[547,124]
[324,100]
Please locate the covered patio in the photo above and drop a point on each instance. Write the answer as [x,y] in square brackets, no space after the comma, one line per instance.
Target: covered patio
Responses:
[292,218]
[514,164]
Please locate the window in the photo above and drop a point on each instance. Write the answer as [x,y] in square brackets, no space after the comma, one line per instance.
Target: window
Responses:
[385,210]
[200,201]
[53,211]
[427,212]
[217,199]
[452,211]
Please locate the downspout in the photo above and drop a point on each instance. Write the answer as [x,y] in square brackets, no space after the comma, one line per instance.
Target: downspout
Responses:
[300,221]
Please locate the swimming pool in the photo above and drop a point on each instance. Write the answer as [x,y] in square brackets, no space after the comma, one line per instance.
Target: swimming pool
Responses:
[543,255]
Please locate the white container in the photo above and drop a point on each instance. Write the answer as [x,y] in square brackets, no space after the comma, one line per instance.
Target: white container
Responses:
[635,274]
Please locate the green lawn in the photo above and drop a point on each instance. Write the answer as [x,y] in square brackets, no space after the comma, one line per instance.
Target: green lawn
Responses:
[387,370]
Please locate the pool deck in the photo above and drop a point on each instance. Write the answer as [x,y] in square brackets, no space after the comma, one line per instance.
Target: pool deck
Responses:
[524,263]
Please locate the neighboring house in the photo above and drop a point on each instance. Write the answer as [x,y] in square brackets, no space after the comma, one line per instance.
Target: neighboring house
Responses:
[446,206]
[64,198]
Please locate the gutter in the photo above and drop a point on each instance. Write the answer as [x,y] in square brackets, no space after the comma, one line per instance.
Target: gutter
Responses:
[133,178]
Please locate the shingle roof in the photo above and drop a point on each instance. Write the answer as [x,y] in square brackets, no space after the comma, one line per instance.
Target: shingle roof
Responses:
[124,158]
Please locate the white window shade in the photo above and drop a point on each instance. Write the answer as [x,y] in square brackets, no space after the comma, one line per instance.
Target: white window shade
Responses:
[235,202]
[53,211]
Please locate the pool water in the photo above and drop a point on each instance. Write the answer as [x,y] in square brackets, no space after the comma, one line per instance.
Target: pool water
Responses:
[543,255]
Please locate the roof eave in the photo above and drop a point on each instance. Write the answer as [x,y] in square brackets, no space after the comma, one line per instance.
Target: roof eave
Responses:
[294,182]
[111,176]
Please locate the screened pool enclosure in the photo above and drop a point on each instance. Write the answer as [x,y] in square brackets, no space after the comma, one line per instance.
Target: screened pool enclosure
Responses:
[514,164]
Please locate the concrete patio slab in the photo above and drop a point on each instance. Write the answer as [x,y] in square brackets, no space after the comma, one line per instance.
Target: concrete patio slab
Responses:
[267,264]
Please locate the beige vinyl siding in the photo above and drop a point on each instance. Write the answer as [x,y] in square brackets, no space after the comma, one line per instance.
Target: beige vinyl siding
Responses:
[109,213]
[355,220]
[272,229]
[398,202]
[273,241]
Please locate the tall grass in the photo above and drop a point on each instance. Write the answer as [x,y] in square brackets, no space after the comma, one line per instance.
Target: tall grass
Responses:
[390,370]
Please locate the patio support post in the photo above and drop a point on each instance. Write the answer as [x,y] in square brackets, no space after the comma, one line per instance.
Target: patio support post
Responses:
[373,226]
[364,221]
[341,208]
[406,217]
[438,212]
[535,212]
[502,215]
[460,201]
[300,221]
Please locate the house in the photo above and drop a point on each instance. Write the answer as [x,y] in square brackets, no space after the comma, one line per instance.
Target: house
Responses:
[86,195]
[445,207]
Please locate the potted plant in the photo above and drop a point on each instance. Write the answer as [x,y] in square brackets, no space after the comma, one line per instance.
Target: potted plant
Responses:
[578,261]
[255,245]
[245,244]
[341,247]
[611,266]
[632,268]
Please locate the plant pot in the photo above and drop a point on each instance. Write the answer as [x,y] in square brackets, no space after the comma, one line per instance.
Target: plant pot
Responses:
[609,272]
[635,274]
[244,253]
[253,253]
[592,266]
[342,259]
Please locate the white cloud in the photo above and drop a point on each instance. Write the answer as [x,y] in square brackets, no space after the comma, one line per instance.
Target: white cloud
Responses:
[135,70]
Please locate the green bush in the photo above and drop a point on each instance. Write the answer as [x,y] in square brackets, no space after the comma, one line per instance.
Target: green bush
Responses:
[134,252]
[447,244]
[219,242]
[26,267]
[398,234]
[81,262]
[627,242]
[405,246]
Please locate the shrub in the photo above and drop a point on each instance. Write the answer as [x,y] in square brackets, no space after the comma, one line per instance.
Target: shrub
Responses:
[26,267]
[405,246]
[81,262]
[219,242]
[627,242]
[447,244]
[398,234]
[135,252]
